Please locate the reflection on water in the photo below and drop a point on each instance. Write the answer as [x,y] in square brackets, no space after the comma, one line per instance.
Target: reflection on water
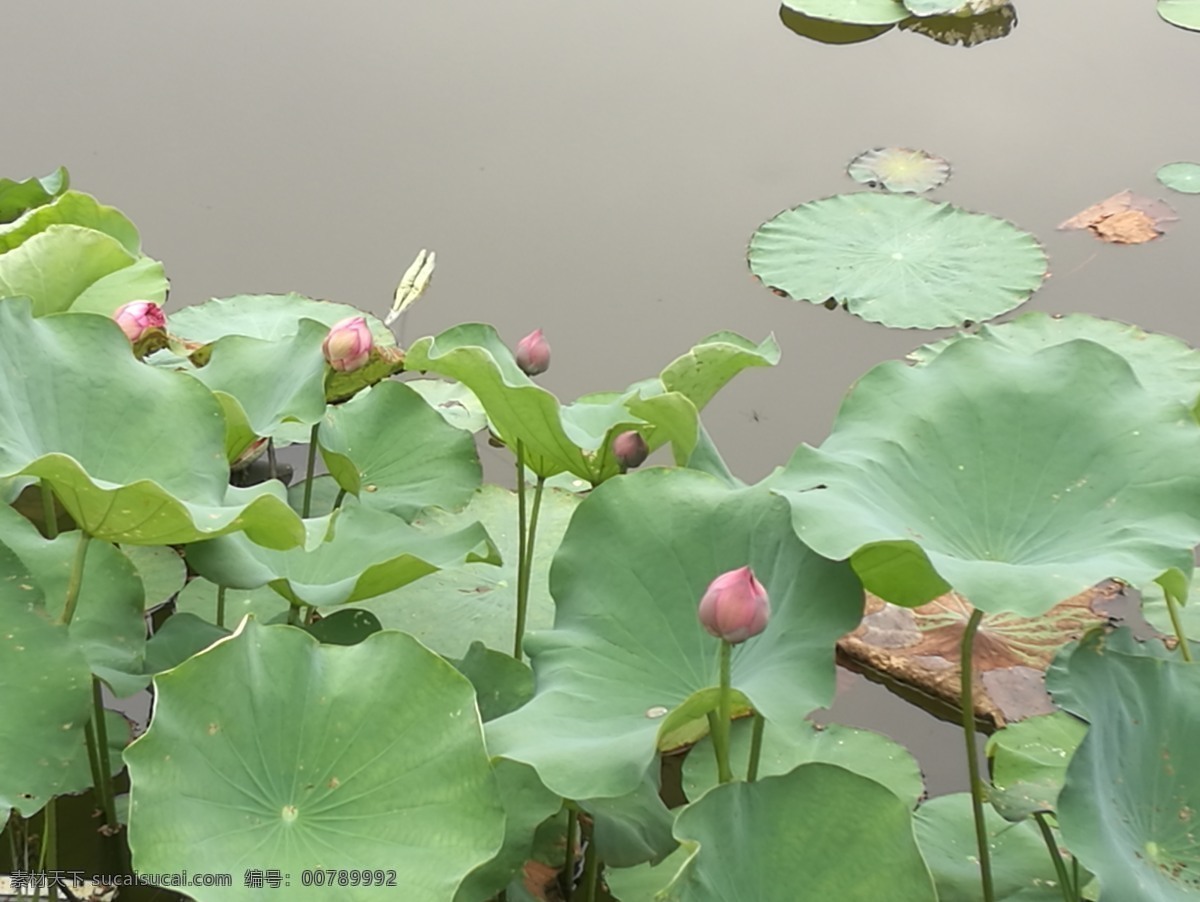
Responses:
[966,31]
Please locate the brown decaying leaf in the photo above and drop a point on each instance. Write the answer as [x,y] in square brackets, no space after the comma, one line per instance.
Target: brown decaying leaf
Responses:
[919,648]
[1124,218]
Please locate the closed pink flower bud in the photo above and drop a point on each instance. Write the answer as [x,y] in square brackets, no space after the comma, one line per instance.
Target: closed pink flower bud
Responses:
[533,353]
[735,607]
[630,449]
[348,345]
[138,317]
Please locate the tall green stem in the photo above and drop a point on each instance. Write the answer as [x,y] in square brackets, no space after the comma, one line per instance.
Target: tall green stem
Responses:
[568,881]
[272,469]
[1173,610]
[104,764]
[520,628]
[312,465]
[756,737]
[48,513]
[1064,881]
[48,853]
[76,579]
[718,721]
[220,606]
[591,868]
[968,725]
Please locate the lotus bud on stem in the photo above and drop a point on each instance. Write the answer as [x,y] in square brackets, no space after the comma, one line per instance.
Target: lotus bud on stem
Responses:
[734,608]
[348,345]
[144,324]
[533,353]
[630,450]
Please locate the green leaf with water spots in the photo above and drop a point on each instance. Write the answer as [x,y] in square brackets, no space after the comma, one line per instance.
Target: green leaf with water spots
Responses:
[1029,762]
[627,646]
[309,769]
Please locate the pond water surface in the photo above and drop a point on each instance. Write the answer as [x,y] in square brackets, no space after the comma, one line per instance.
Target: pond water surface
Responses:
[597,170]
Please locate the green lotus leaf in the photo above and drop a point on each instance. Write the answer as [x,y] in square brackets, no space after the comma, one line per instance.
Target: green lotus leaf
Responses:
[870,754]
[899,169]
[451,609]
[345,627]
[55,266]
[71,208]
[852,12]
[707,459]
[1154,609]
[362,756]
[1166,366]
[1129,805]
[1058,681]
[976,22]
[161,570]
[273,381]
[527,803]
[1022,870]
[365,553]
[17,197]
[633,828]
[1001,474]
[935,7]
[268,317]
[135,454]
[902,261]
[1029,763]
[700,373]
[393,451]
[142,280]
[1182,177]
[1182,13]
[502,683]
[800,836]
[826,32]
[643,882]
[181,637]
[627,646]
[199,597]
[455,402]
[46,695]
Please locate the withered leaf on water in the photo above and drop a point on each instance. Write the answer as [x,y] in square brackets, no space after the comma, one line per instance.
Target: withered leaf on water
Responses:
[1124,218]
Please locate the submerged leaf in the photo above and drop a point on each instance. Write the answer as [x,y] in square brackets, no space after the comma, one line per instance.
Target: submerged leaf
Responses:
[1182,177]
[899,169]
[1124,218]
[902,261]
[992,19]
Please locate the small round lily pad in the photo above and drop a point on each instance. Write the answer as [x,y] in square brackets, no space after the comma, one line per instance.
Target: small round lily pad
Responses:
[899,169]
[1182,177]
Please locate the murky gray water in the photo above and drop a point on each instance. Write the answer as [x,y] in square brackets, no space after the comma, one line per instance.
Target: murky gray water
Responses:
[596,171]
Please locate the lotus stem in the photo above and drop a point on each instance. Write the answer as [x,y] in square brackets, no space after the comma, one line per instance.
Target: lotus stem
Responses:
[568,882]
[591,867]
[520,628]
[272,469]
[1064,881]
[968,723]
[76,578]
[1177,625]
[341,496]
[756,737]
[531,539]
[48,853]
[312,465]
[718,721]
[49,517]
[221,606]
[102,760]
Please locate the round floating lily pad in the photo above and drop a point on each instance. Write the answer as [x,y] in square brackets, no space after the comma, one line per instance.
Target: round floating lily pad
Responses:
[1004,476]
[1131,800]
[270,747]
[826,32]
[899,169]
[902,261]
[852,12]
[1184,177]
[801,836]
[1183,13]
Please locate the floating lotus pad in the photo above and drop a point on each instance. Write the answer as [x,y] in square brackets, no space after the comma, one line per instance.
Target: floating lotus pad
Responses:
[827,32]
[1166,366]
[899,169]
[1129,806]
[1182,13]
[995,20]
[627,665]
[135,454]
[1004,476]
[1183,177]
[852,12]
[897,260]
[788,846]
[308,769]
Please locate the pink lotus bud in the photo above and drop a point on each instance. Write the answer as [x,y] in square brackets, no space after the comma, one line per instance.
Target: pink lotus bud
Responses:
[533,353]
[138,317]
[348,345]
[630,449]
[735,607]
